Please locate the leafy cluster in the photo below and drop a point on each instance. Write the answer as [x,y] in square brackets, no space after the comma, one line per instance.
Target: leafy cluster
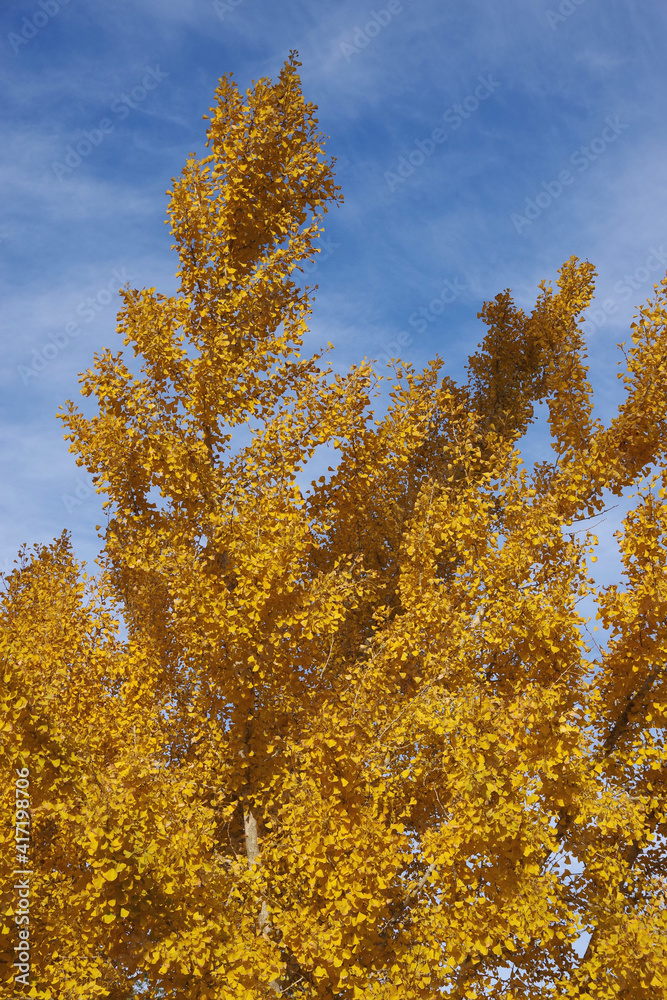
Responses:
[350,741]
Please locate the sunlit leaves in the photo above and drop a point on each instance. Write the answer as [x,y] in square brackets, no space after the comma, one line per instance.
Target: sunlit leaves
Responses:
[356,740]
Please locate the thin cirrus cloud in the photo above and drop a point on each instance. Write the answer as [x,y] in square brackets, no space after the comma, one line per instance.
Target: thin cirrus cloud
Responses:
[384,76]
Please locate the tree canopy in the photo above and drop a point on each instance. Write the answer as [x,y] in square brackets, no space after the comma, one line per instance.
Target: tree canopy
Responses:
[354,740]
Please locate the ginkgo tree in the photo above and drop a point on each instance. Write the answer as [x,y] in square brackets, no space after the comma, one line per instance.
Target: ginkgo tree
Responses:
[354,740]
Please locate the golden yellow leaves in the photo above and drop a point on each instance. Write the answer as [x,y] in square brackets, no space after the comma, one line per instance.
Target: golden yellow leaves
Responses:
[387,672]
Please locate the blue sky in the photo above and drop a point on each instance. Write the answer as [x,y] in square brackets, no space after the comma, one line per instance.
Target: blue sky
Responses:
[479,145]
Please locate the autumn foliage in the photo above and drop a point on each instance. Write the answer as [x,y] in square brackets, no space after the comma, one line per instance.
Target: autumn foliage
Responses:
[355,739]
